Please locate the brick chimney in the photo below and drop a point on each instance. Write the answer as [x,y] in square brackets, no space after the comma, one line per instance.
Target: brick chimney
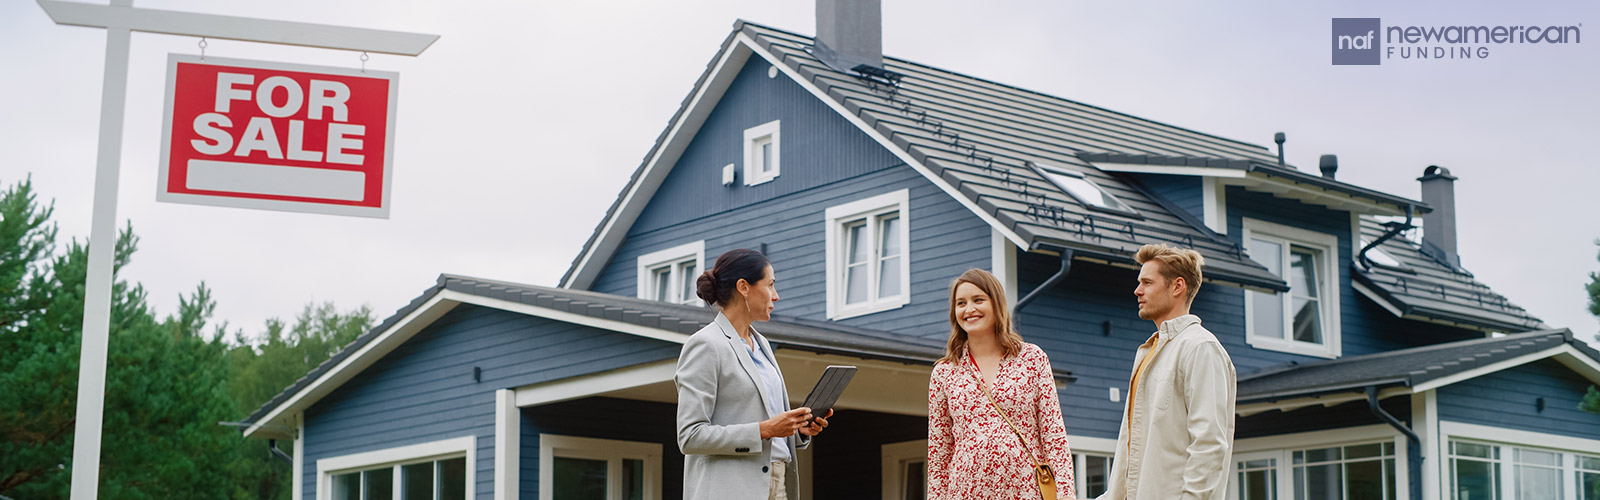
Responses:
[1439,226]
[849,33]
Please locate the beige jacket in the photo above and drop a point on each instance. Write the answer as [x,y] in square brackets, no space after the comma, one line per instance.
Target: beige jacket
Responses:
[1177,433]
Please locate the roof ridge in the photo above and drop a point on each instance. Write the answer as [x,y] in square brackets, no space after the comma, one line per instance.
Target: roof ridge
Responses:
[1029,91]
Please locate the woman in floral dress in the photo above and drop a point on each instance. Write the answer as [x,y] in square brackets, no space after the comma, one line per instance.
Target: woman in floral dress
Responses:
[972,452]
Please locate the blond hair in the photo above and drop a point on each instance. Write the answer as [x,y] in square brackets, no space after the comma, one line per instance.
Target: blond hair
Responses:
[1175,263]
[1004,331]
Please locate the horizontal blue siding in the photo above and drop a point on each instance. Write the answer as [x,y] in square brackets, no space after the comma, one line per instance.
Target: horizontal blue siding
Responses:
[423,390]
[817,147]
[1183,191]
[1509,399]
[945,238]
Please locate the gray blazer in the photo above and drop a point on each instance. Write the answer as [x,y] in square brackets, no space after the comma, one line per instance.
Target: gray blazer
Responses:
[720,407]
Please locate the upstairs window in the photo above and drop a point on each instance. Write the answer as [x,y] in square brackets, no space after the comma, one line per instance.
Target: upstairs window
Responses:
[1081,188]
[867,256]
[1303,320]
[671,275]
[762,145]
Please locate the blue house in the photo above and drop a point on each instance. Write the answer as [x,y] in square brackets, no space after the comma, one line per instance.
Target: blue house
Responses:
[1371,364]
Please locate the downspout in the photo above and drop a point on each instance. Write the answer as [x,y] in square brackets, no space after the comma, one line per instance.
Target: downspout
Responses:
[1394,230]
[1413,443]
[272,445]
[1066,266]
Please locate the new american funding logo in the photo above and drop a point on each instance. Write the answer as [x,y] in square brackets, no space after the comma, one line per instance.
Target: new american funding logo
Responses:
[1366,41]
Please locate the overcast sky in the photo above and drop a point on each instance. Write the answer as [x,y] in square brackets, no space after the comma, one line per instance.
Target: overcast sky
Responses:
[520,125]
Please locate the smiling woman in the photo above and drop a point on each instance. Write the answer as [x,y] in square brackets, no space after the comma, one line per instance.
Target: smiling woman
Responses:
[994,418]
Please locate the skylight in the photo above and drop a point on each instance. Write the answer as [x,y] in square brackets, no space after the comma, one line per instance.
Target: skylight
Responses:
[1081,188]
[1379,257]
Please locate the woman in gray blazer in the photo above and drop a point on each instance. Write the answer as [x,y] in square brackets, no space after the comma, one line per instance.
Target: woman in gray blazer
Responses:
[735,429]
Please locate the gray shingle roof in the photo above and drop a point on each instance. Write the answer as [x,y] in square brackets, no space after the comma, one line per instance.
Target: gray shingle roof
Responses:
[783,332]
[979,136]
[1424,287]
[1405,367]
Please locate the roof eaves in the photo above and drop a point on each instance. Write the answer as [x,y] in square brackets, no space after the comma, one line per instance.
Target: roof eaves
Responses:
[1318,181]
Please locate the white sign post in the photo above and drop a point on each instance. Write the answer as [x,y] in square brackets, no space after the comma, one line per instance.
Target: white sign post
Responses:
[120,19]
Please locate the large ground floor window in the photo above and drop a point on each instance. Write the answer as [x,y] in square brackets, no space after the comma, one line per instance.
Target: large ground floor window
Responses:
[1496,463]
[436,470]
[1494,471]
[1362,463]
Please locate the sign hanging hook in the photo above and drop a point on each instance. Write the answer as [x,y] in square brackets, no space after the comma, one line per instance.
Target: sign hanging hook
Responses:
[203,48]
[364,61]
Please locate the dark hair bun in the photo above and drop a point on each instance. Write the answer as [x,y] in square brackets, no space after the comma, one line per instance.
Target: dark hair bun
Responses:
[717,285]
[706,287]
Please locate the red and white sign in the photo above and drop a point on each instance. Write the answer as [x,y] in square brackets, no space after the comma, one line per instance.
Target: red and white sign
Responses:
[254,134]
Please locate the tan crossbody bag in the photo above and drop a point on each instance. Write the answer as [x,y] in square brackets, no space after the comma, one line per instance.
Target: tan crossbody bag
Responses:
[1041,472]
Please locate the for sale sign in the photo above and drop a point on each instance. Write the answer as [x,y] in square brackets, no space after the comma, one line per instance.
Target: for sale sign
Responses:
[276,136]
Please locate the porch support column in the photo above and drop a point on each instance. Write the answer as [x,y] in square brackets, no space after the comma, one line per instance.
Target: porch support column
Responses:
[507,444]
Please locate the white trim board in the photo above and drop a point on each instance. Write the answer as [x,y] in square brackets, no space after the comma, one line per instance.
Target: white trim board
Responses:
[1475,432]
[374,350]
[420,318]
[1319,438]
[1565,354]
[600,383]
[700,106]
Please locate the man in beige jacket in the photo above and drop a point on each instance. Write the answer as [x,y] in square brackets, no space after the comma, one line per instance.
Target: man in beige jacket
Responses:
[1177,433]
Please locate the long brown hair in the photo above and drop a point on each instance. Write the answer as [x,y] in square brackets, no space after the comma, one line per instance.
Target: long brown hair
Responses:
[1004,331]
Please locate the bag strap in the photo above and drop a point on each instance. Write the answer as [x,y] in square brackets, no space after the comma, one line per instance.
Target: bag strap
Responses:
[978,375]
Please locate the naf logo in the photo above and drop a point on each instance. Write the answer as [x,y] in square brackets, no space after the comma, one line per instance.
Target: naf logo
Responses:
[1356,40]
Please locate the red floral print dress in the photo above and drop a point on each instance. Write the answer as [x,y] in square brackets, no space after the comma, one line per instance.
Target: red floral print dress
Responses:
[972,452]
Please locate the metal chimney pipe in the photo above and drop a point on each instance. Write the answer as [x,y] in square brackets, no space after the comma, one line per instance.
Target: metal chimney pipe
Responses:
[1280,138]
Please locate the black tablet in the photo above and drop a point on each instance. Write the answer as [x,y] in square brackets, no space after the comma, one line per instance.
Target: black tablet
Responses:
[828,389]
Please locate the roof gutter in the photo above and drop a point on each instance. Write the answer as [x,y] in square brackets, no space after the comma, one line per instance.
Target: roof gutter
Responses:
[1413,443]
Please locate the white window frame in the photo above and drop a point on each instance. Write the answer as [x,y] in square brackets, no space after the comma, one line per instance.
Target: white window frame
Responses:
[1278,472]
[1080,465]
[834,239]
[895,455]
[611,450]
[465,446]
[1507,440]
[675,257]
[1328,299]
[1283,447]
[753,136]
